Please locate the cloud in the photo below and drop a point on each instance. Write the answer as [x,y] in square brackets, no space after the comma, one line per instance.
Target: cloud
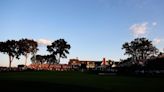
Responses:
[139,29]
[44,42]
[156,41]
[154,23]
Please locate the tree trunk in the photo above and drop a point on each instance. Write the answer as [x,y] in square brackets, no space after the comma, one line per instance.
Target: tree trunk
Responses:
[59,60]
[26,56]
[10,61]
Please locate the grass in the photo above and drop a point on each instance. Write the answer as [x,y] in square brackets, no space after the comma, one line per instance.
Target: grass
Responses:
[77,81]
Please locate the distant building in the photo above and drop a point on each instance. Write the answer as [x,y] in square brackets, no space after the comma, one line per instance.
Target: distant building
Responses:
[22,67]
[104,62]
[96,65]
[88,64]
[76,64]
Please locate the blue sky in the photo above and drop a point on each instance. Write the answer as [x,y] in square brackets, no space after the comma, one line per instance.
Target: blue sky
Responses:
[94,28]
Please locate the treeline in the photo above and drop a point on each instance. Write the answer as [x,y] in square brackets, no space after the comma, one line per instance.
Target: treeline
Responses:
[143,57]
[57,50]
[15,48]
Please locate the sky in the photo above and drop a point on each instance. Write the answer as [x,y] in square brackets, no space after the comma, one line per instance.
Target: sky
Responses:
[94,28]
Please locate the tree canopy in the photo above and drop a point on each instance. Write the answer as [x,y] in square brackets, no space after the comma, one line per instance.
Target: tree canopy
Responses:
[139,49]
[27,46]
[59,49]
[16,48]
[11,48]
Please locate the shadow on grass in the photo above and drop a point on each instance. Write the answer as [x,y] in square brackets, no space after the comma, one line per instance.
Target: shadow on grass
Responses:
[20,86]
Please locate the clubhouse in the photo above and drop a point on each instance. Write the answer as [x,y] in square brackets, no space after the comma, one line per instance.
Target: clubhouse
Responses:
[73,64]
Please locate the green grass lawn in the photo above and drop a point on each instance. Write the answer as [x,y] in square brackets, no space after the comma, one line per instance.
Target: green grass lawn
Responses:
[77,82]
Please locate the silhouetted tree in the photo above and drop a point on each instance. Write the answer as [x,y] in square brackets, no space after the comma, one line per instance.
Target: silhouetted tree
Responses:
[160,54]
[59,49]
[140,49]
[11,48]
[2,47]
[38,59]
[33,59]
[51,59]
[155,64]
[26,47]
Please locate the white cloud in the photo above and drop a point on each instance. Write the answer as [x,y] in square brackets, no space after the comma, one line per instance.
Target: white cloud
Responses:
[44,42]
[139,29]
[154,23]
[156,41]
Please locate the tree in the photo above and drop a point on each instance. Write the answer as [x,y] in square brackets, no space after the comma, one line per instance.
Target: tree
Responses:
[11,48]
[140,49]
[59,49]
[33,59]
[2,47]
[51,59]
[27,47]
[40,59]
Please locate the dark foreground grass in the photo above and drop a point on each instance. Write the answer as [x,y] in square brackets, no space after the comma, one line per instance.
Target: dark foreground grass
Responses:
[77,82]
